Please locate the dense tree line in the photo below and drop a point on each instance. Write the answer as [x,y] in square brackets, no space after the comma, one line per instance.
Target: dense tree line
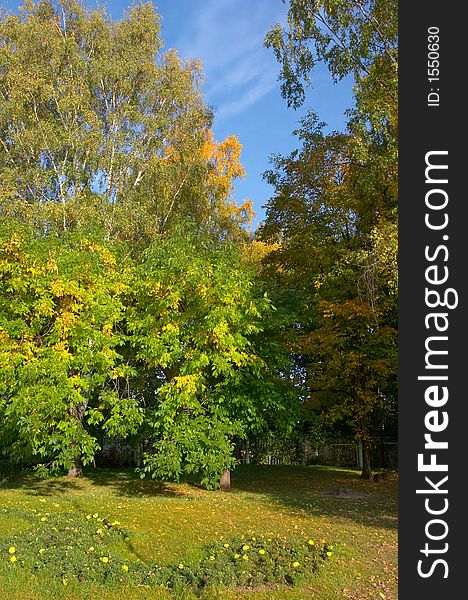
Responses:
[133,300]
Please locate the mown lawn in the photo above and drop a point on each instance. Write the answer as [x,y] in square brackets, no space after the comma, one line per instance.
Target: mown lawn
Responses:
[169,522]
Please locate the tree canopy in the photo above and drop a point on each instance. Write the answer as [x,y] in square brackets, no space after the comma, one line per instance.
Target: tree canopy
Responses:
[333,213]
[134,301]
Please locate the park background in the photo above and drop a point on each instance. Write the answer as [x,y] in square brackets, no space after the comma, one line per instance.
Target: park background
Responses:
[170,323]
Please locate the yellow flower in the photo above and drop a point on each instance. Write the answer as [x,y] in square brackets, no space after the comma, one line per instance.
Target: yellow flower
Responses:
[254,539]
[115,523]
[236,555]
[330,547]
[181,566]
[295,564]
[41,550]
[212,557]
[99,531]
[245,547]
[311,543]
[261,551]
[12,558]
[64,581]
[11,549]
[329,553]
[242,536]
[104,559]
[226,545]
[91,549]
[95,516]
[245,557]
[124,568]
[88,516]
[43,519]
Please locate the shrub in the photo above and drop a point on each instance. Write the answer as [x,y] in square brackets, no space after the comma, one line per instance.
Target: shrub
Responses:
[87,548]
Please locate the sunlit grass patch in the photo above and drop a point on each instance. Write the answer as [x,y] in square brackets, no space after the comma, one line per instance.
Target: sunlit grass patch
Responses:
[172,524]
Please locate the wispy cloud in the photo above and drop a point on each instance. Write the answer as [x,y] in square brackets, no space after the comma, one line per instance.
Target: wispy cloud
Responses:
[227,35]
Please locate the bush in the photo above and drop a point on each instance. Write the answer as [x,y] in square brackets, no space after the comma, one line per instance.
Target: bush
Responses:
[87,548]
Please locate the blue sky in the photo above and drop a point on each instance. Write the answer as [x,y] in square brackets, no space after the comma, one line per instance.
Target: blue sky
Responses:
[241,78]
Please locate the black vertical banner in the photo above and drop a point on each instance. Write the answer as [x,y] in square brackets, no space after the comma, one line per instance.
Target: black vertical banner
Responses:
[433,271]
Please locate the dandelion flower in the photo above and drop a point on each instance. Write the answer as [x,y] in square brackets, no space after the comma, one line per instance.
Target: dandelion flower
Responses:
[11,549]
[261,551]
[329,553]
[104,559]
[41,550]
[226,545]
[236,555]
[295,564]
[245,547]
[311,543]
[212,557]
[12,558]
[88,516]
[95,516]
[124,568]
[245,557]
[181,566]
[43,519]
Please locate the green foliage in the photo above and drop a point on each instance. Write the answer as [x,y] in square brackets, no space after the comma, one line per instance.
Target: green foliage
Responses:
[90,548]
[94,343]
[65,546]
[105,137]
[61,303]
[351,37]
[192,318]
[257,560]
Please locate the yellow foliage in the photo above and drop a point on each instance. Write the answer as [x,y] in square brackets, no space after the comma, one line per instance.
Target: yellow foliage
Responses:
[223,159]
[256,250]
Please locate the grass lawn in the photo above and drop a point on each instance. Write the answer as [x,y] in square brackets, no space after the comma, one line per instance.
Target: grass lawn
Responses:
[171,523]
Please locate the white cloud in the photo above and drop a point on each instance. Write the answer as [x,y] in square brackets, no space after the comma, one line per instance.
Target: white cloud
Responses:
[227,35]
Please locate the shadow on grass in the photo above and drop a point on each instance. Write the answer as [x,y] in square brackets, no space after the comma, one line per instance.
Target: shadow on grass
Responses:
[125,482]
[318,491]
[322,491]
[38,486]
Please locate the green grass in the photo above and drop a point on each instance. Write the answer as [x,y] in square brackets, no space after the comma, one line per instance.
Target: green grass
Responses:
[170,522]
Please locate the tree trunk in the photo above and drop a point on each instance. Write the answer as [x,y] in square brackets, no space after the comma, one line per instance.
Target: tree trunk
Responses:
[77,412]
[366,461]
[77,468]
[225,482]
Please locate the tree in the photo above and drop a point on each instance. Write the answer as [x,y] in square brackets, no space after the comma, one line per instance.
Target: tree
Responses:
[334,209]
[101,129]
[62,302]
[193,319]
